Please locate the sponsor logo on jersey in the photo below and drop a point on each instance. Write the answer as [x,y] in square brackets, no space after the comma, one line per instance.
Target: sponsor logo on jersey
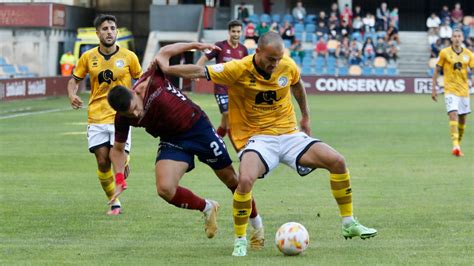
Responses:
[218,68]
[106,76]
[282,81]
[266,97]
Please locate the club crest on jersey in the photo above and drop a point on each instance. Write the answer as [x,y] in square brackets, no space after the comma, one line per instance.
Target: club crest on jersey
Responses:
[119,63]
[282,81]
[465,58]
[218,68]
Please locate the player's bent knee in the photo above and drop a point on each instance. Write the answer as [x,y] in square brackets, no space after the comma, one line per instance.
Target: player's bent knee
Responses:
[166,192]
[338,165]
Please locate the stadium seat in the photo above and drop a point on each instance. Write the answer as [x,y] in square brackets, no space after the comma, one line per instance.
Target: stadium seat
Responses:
[306,70]
[355,70]
[299,36]
[331,71]
[287,43]
[381,34]
[430,72]
[288,18]
[2,61]
[9,69]
[320,61]
[367,71]
[297,60]
[310,28]
[310,19]
[251,50]
[379,71]
[343,71]
[392,71]
[276,18]
[265,18]
[357,36]
[250,44]
[307,61]
[331,61]
[255,19]
[299,27]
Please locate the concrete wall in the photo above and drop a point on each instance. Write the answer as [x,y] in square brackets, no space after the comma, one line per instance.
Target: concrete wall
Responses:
[175,18]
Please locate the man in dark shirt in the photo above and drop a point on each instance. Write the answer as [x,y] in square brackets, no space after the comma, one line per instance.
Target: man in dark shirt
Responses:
[230,49]
[184,131]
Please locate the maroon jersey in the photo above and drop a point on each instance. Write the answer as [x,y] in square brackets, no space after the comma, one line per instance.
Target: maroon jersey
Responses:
[167,112]
[225,55]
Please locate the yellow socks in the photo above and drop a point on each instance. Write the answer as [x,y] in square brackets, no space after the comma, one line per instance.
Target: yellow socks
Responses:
[342,192]
[107,182]
[453,129]
[461,128]
[242,206]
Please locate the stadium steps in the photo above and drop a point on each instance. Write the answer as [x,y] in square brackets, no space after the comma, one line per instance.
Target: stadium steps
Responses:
[413,53]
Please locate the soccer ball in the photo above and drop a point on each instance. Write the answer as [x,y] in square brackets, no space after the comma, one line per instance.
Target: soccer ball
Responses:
[292,238]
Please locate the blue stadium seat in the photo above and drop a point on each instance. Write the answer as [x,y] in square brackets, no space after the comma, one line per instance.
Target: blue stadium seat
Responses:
[299,35]
[381,34]
[331,71]
[379,71]
[430,72]
[343,71]
[2,61]
[255,19]
[392,71]
[288,18]
[251,50]
[367,71]
[23,69]
[320,61]
[310,28]
[299,27]
[331,61]
[297,60]
[357,36]
[276,18]
[9,69]
[310,19]
[287,43]
[307,61]
[306,70]
[265,18]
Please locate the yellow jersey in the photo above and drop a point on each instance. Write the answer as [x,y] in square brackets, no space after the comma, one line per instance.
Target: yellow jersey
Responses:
[454,67]
[106,71]
[258,104]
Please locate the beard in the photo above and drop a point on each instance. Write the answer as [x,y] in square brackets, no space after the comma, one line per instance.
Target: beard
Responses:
[104,43]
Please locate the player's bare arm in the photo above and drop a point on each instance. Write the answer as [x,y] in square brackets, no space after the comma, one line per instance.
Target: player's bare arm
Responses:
[72,87]
[184,71]
[118,156]
[202,61]
[434,95]
[299,92]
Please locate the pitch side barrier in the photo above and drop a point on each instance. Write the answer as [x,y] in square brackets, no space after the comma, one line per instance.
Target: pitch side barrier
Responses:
[352,85]
[28,88]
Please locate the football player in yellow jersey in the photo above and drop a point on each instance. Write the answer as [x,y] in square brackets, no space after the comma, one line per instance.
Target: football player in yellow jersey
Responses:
[108,65]
[454,62]
[263,127]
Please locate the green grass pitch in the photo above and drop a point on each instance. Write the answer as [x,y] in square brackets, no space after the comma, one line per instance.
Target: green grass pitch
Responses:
[405,183]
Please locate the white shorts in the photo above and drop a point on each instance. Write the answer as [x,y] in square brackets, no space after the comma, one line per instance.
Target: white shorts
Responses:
[456,103]
[288,149]
[99,135]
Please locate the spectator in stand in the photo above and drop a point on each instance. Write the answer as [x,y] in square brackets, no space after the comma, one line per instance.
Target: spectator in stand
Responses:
[355,54]
[394,17]
[322,17]
[296,49]
[433,22]
[381,48]
[392,34]
[383,15]
[321,48]
[432,37]
[470,44]
[275,28]
[357,24]
[287,31]
[333,45]
[444,14]
[358,12]
[335,9]
[333,19]
[457,15]
[369,23]
[392,53]
[368,51]
[343,50]
[250,32]
[322,31]
[347,14]
[446,43]
[445,31]
[262,29]
[299,12]
[345,29]
[435,48]
[243,13]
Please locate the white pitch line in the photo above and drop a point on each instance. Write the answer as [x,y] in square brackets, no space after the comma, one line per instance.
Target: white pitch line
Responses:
[32,113]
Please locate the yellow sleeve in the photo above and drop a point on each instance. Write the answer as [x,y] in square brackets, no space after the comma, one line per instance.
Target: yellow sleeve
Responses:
[225,74]
[135,68]
[81,69]
[471,62]
[296,73]
[442,58]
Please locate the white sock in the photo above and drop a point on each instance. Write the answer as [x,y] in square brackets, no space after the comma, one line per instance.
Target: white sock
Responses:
[347,220]
[208,207]
[256,222]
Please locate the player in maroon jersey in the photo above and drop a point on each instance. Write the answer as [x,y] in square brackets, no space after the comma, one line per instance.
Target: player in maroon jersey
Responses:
[230,49]
[184,131]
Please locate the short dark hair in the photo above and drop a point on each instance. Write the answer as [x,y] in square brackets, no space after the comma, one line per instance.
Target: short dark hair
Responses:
[104,17]
[120,98]
[234,23]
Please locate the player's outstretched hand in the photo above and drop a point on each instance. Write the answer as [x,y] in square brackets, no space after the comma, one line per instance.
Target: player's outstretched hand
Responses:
[207,47]
[120,187]
[76,101]
[434,96]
